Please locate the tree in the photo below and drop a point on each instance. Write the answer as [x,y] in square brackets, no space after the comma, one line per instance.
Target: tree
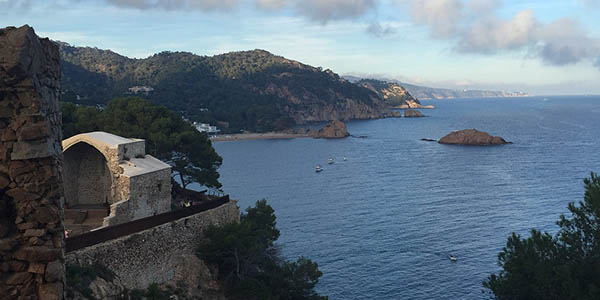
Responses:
[167,135]
[563,266]
[248,264]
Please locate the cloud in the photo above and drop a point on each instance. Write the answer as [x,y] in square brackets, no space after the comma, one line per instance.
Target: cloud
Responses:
[271,4]
[321,11]
[326,10]
[205,5]
[564,42]
[442,16]
[492,34]
[476,28]
[378,30]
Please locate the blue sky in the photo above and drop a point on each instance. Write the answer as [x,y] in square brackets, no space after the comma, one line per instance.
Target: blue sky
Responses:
[543,47]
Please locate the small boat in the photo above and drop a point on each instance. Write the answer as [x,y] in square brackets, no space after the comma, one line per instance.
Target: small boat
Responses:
[318,169]
[344,158]
[330,161]
[451,257]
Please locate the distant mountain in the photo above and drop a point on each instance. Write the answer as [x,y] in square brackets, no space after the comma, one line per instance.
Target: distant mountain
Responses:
[248,90]
[425,93]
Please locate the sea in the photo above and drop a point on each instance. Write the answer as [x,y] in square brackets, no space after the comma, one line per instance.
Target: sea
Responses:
[382,223]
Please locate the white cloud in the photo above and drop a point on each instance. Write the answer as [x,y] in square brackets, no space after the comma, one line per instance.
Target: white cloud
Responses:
[442,16]
[477,28]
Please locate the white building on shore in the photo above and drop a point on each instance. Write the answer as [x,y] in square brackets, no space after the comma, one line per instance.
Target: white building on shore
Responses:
[203,127]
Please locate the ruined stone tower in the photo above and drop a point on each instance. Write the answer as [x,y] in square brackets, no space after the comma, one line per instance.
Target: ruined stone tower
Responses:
[31,192]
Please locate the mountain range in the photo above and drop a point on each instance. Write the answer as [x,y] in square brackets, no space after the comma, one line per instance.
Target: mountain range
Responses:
[428,93]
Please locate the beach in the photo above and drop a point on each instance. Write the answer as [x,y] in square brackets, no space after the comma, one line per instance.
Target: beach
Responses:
[257,136]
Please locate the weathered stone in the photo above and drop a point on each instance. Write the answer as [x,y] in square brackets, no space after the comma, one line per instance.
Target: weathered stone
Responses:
[18,194]
[34,149]
[17,266]
[46,214]
[37,268]
[18,278]
[35,131]
[7,244]
[35,254]
[34,232]
[4,267]
[8,135]
[35,241]
[27,225]
[54,271]
[51,291]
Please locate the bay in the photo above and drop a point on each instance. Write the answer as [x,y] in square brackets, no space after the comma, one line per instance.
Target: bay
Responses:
[382,223]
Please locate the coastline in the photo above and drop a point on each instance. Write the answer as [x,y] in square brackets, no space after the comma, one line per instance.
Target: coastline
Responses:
[257,136]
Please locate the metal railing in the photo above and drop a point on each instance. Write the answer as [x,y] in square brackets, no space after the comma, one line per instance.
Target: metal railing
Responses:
[109,233]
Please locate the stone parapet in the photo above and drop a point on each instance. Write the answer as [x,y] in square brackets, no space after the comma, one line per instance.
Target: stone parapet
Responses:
[161,254]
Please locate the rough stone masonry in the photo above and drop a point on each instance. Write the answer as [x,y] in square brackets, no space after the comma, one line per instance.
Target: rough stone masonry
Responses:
[31,192]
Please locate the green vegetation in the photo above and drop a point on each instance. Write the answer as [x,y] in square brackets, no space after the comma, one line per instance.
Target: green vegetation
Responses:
[247,262]
[563,266]
[249,90]
[167,135]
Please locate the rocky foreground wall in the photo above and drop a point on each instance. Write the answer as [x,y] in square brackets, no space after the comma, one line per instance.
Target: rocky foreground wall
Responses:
[164,254]
[31,228]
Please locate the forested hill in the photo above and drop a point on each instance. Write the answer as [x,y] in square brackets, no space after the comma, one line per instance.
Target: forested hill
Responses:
[249,90]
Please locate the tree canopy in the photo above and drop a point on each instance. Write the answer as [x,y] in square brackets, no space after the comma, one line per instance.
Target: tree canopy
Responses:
[561,266]
[248,264]
[167,135]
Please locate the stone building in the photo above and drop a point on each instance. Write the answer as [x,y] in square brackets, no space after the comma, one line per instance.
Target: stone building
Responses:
[109,180]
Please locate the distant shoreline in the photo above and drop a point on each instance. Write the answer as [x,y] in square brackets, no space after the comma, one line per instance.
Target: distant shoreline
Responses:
[257,136]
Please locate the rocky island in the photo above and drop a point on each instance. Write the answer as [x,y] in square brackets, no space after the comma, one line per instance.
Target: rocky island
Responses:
[472,137]
[334,130]
[411,113]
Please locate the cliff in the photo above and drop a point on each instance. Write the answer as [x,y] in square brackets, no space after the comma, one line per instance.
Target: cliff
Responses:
[250,90]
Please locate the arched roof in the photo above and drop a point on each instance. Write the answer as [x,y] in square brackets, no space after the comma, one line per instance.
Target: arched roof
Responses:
[98,139]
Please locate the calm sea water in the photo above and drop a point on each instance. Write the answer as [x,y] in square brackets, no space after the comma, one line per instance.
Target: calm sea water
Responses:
[381,224]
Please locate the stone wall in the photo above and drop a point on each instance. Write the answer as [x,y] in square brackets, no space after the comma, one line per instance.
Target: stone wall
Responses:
[162,254]
[31,227]
[146,195]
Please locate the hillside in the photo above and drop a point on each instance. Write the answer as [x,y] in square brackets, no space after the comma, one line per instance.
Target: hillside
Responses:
[425,93]
[392,93]
[249,90]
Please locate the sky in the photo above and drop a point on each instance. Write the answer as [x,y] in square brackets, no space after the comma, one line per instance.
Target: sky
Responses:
[542,47]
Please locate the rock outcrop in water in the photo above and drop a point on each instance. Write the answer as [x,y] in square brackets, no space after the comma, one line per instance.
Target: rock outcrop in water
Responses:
[334,130]
[472,137]
[410,113]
